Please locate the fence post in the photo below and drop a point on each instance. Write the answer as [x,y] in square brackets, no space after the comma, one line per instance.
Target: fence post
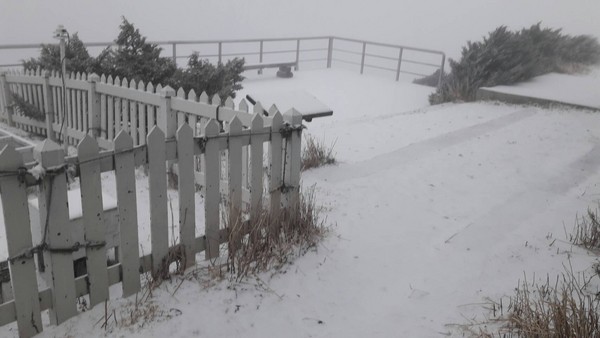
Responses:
[260,56]
[297,54]
[399,64]
[8,104]
[362,60]
[175,53]
[94,106]
[220,52]
[442,70]
[56,231]
[48,107]
[167,118]
[329,52]
[293,157]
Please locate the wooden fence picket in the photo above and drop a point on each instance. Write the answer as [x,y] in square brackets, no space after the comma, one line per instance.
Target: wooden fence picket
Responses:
[93,219]
[256,163]
[293,157]
[157,177]
[186,190]
[18,231]
[142,116]
[54,220]
[235,169]
[276,163]
[128,221]
[212,194]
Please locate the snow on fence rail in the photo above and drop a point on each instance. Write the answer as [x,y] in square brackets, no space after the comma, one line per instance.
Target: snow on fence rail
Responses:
[318,50]
[197,140]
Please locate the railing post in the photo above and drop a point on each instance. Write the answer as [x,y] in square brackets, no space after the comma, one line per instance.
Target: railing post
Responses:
[48,107]
[297,54]
[94,106]
[260,56]
[399,64]
[442,70]
[174,53]
[362,60]
[167,118]
[8,101]
[220,52]
[329,52]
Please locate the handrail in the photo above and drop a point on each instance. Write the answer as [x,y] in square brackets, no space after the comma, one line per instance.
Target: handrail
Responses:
[329,50]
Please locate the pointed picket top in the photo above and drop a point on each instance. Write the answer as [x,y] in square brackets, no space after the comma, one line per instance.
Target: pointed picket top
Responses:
[277,118]
[155,135]
[273,110]
[204,97]
[212,128]
[123,141]
[103,78]
[235,123]
[117,81]
[216,100]
[47,147]
[159,88]
[124,83]
[192,95]
[243,106]
[87,148]
[258,108]
[110,80]
[78,76]
[184,131]
[85,76]
[10,159]
[229,103]
[93,77]
[150,87]
[38,71]
[181,93]
[132,84]
[293,116]
[257,121]
[141,85]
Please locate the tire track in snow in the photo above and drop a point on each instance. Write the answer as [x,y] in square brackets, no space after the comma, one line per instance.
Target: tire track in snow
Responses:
[417,150]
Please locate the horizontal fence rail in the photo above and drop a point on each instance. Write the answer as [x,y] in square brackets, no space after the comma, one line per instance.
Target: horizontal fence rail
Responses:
[309,51]
[118,125]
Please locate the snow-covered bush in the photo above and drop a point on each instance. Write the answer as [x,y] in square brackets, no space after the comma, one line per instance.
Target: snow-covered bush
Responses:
[505,57]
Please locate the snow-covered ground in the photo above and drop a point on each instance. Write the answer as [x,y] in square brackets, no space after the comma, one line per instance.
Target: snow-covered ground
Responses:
[433,210]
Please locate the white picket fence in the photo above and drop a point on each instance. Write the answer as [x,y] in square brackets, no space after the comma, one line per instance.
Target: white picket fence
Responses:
[218,147]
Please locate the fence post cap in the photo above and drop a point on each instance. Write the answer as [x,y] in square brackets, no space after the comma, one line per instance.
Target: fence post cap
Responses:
[167,92]
[48,153]
[94,77]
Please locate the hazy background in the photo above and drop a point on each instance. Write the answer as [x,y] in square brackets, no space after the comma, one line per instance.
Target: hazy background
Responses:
[436,24]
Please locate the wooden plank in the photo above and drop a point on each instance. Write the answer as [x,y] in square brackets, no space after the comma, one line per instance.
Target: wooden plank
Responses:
[157,176]
[133,114]
[110,111]
[93,222]
[212,195]
[118,112]
[186,190]
[128,222]
[256,163]
[128,94]
[54,218]
[200,109]
[103,118]
[18,234]
[142,116]
[276,163]
[234,128]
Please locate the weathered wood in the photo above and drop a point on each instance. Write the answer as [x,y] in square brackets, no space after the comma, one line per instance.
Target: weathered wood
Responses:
[128,221]
[93,219]
[167,118]
[180,115]
[235,170]
[48,106]
[157,176]
[54,218]
[142,116]
[110,111]
[203,97]
[293,160]
[17,229]
[212,195]
[256,163]
[133,116]
[276,163]
[118,112]
[8,101]
[186,190]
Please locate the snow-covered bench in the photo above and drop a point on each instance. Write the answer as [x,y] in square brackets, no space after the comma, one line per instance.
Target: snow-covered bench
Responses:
[285,68]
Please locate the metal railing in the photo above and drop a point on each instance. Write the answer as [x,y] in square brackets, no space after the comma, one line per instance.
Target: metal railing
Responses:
[327,49]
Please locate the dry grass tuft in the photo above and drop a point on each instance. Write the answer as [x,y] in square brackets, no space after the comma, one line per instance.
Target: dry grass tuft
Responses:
[316,154]
[587,231]
[269,241]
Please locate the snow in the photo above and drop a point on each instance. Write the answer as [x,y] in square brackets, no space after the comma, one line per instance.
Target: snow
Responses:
[433,211]
[573,89]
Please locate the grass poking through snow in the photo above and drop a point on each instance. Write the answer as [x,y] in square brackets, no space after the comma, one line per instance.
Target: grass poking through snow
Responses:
[316,154]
